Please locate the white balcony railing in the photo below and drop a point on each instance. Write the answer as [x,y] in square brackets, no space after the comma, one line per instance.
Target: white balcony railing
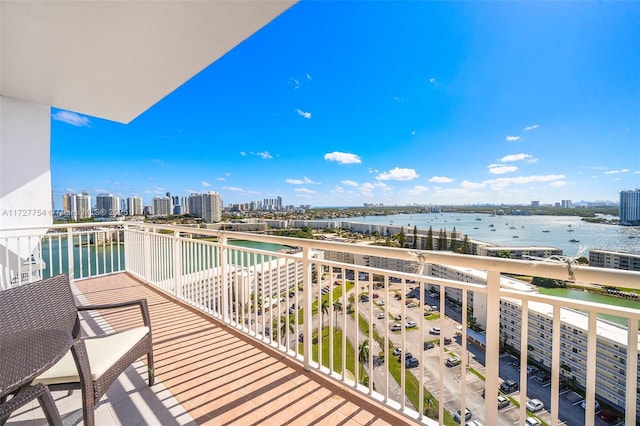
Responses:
[279,299]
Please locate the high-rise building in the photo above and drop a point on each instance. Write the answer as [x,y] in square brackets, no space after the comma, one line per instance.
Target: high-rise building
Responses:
[211,207]
[272,204]
[630,207]
[184,202]
[208,206]
[134,206]
[66,204]
[107,205]
[566,204]
[163,206]
[80,206]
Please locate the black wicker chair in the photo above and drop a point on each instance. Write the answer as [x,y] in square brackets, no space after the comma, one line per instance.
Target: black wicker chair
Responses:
[93,363]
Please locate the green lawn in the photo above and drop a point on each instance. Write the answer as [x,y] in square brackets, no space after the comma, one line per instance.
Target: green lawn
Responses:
[337,351]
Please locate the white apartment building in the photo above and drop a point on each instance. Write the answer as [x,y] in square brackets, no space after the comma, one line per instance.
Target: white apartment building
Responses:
[162,206]
[611,346]
[314,224]
[614,260]
[134,206]
[630,207]
[211,207]
[611,338]
[80,206]
[516,252]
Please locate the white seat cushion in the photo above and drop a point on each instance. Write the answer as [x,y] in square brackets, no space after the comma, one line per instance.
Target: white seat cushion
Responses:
[103,352]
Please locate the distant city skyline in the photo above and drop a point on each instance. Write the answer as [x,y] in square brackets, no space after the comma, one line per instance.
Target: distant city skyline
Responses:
[394,103]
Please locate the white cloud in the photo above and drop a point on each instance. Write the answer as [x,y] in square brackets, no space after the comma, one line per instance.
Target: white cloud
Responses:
[558,183]
[342,157]
[413,132]
[221,178]
[300,181]
[349,183]
[472,185]
[510,138]
[500,169]
[309,76]
[504,182]
[160,163]
[516,157]
[71,118]
[398,174]
[205,183]
[300,112]
[534,126]
[367,188]
[417,190]
[440,179]
[233,189]
[304,191]
[432,80]
[614,172]
[295,83]
[338,189]
[244,154]
[264,155]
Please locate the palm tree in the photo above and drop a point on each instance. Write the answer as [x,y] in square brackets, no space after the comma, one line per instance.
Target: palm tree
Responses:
[337,307]
[283,326]
[324,309]
[363,354]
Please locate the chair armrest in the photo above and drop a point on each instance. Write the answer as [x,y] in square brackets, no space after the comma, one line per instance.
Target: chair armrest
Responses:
[142,303]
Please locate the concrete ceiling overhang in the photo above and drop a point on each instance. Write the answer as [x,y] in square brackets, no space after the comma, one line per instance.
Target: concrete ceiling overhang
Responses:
[115,59]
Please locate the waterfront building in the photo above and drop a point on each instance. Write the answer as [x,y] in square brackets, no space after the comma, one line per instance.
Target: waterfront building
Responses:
[611,347]
[107,205]
[66,204]
[134,206]
[313,224]
[566,204]
[518,252]
[80,206]
[630,207]
[614,259]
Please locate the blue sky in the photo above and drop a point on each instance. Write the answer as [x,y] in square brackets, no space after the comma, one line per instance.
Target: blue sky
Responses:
[344,103]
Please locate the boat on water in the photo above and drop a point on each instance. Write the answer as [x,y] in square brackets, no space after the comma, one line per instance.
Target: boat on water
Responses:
[573,240]
[475,227]
[493,229]
[545,230]
[516,236]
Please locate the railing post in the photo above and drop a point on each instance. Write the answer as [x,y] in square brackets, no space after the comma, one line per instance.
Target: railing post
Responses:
[224,280]
[308,315]
[177,264]
[492,361]
[147,255]
[70,266]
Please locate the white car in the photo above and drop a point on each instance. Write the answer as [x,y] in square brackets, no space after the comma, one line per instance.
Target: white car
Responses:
[435,330]
[397,352]
[396,327]
[411,324]
[381,315]
[532,421]
[535,405]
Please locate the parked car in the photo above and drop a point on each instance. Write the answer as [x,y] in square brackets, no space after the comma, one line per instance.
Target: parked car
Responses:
[411,363]
[509,386]
[453,361]
[503,402]
[381,315]
[435,330]
[532,421]
[429,345]
[398,318]
[300,337]
[457,417]
[447,340]
[608,416]
[411,324]
[381,303]
[376,295]
[584,404]
[535,405]
[396,352]
[396,327]
[473,423]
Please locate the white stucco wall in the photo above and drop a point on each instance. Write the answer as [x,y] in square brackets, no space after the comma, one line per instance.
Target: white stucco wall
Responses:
[25,180]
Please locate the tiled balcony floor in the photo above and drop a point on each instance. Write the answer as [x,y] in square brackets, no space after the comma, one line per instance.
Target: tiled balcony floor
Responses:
[209,374]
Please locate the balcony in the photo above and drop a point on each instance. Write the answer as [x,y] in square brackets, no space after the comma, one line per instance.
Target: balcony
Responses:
[227,350]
